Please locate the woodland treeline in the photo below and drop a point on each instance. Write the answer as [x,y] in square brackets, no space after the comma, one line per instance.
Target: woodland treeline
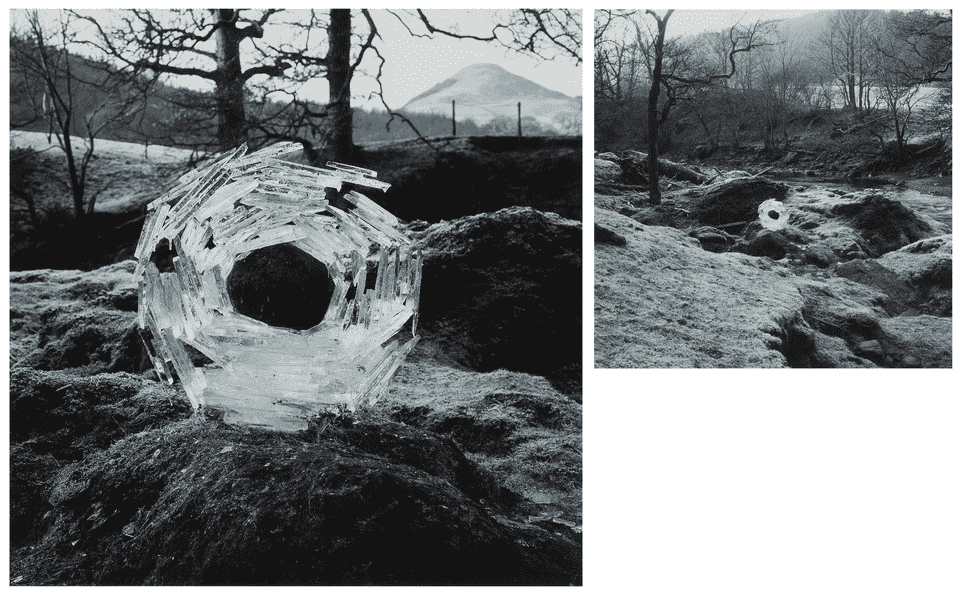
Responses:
[123,75]
[181,116]
[884,73]
[177,116]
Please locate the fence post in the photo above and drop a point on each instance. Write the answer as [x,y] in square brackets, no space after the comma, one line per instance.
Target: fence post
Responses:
[454,117]
[519,131]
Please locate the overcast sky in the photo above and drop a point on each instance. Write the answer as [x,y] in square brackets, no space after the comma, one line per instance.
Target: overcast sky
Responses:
[414,65]
[691,21]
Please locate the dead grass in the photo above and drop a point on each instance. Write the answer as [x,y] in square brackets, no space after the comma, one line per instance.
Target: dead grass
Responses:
[122,179]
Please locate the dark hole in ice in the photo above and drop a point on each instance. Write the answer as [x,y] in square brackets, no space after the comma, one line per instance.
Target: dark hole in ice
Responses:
[163,256]
[773,215]
[282,286]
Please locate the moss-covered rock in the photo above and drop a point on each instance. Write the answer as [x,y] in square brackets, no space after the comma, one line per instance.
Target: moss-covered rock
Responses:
[59,418]
[514,424]
[885,224]
[73,320]
[663,301]
[198,503]
[114,485]
[503,290]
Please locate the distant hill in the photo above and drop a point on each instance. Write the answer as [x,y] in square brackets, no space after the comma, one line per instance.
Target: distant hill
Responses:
[484,92]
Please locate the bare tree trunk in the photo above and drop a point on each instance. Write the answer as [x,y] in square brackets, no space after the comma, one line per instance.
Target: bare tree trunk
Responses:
[340,143]
[76,179]
[231,117]
[653,117]
[851,91]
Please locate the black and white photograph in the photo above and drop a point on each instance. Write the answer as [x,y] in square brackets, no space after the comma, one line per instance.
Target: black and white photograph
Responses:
[332,297]
[773,188]
[295,297]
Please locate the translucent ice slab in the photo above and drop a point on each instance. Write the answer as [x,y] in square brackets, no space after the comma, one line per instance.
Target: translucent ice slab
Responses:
[258,374]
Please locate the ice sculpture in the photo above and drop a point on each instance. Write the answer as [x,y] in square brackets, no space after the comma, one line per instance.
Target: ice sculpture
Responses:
[772,214]
[258,374]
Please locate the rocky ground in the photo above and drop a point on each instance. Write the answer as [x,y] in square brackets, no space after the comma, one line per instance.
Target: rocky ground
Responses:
[468,472]
[858,277]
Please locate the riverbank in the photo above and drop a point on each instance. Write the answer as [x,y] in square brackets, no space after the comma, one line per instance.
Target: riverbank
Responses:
[859,277]
[819,155]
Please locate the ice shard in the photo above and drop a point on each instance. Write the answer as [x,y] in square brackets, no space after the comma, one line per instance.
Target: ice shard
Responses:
[256,373]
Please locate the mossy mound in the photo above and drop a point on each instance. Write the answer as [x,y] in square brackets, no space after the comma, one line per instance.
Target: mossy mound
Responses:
[884,223]
[503,290]
[60,418]
[198,503]
[71,320]
[116,481]
[517,425]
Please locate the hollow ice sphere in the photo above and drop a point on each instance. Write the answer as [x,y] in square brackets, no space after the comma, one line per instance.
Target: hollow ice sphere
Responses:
[266,301]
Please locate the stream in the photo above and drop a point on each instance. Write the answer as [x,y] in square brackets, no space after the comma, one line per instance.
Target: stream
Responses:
[937,210]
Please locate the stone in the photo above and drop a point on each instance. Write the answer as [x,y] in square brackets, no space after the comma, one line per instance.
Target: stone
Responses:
[606,171]
[911,362]
[884,223]
[927,338]
[713,239]
[602,235]
[735,200]
[817,256]
[925,263]
[872,350]
[771,244]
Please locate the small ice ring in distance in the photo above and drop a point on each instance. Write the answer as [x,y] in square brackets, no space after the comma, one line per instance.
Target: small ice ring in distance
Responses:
[773,215]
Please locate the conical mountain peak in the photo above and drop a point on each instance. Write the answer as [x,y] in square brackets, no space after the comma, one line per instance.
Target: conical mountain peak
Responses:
[485,91]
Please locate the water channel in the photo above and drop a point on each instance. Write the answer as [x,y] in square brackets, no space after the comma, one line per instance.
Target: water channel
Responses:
[936,209]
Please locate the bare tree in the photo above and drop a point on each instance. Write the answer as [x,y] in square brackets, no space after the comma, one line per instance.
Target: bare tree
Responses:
[653,118]
[228,48]
[846,51]
[619,79]
[59,91]
[785,81]
[912,50]
[195,43]
[918,45]
[686,73]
